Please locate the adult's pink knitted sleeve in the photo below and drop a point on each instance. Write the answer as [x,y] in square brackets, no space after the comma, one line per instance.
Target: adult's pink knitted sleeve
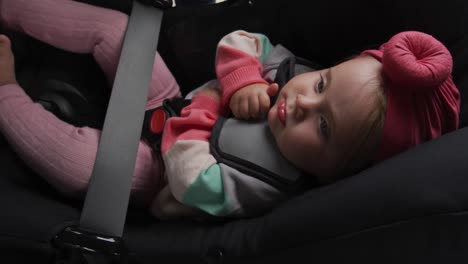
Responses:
[81,28]
[63,154]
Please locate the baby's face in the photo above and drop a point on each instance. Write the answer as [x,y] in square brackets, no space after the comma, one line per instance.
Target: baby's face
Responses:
[318,115]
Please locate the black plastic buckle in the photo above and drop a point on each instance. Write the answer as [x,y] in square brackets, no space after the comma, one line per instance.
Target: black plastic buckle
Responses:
[73,241]
[161,4]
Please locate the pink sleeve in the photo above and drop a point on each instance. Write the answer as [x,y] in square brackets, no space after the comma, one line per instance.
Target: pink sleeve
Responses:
[236,69]
[239,59]
[195,122]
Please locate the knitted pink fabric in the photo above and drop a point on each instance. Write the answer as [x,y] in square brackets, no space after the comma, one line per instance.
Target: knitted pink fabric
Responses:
[236,69]
[63,154]
[423,103]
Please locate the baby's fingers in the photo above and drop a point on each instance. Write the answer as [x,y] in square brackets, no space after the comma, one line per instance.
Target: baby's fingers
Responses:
[234,105]
[254,107]
[264,102]
[244,106]
[273,89]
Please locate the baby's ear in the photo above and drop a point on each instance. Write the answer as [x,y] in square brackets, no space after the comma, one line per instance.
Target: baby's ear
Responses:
[272,89]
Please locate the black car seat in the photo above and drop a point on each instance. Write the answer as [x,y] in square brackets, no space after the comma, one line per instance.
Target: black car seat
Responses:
[409,209]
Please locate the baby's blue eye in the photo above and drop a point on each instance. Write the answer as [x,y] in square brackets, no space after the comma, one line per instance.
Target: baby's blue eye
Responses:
[320,85]
[324,126]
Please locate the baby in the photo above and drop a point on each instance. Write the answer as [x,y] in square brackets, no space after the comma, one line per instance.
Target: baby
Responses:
[328,123]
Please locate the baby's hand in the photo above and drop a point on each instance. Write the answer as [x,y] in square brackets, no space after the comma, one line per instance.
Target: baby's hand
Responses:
[252,101]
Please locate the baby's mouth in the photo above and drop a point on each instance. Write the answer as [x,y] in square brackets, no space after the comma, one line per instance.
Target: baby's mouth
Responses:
[282,112]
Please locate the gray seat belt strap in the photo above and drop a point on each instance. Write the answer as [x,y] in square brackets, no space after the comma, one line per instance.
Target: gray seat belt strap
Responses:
[106,203]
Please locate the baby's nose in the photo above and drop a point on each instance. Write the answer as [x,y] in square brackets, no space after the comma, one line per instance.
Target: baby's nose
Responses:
[306,103]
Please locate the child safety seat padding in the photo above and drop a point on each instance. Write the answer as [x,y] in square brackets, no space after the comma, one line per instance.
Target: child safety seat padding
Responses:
[72,86]
[32,213]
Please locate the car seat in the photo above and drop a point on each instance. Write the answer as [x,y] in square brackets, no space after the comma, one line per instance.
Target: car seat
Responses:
[409,209]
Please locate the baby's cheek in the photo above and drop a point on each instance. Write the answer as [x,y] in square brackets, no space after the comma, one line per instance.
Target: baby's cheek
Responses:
[291,149]
[271,116]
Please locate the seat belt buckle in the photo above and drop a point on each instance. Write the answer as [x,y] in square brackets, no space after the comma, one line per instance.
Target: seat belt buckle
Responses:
[153,126]
[161,4]
[155,120]
[74,242]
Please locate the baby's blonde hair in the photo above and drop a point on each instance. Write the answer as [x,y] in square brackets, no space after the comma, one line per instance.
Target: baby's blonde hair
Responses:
[361,154]
[364,150]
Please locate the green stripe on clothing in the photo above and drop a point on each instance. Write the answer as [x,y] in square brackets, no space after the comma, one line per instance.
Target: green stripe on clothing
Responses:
[207,192]
[266,47]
